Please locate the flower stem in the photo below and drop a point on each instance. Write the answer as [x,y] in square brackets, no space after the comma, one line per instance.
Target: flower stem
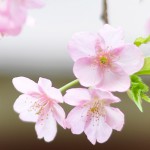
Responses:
[69,85]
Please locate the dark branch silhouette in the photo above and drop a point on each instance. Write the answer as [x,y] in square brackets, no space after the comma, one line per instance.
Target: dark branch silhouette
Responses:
[104,16]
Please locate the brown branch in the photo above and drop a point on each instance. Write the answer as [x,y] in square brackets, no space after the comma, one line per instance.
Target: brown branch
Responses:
[104,16]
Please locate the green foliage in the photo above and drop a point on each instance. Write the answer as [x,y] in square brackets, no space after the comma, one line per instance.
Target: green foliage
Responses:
[146,67]
[137,91]
[139,41]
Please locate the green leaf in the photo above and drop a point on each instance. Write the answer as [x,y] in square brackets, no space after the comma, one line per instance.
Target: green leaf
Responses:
[139,41]
[137,91]
[136,101]
[146,67]
[145,97]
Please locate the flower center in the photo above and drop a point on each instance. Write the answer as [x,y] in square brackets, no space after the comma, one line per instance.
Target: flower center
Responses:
[97,108]
[39,106]
[103,60]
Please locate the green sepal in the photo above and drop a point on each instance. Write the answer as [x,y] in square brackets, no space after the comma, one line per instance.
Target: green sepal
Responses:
[137,91]
[139,41]
[146,67]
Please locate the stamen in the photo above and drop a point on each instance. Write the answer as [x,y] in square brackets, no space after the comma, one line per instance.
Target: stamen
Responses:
[39,106]
[96,111]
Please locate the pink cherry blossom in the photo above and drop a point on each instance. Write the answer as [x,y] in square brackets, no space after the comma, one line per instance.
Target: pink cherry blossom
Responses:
[93,114]
[104,60]
[13,14]
[39,104]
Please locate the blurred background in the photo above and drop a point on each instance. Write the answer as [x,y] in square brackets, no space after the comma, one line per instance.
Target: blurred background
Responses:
[41,51]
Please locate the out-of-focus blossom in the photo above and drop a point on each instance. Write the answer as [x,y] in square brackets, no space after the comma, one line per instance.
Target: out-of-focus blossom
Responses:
[104,60]
[93,114]
[13,14]
[39,104]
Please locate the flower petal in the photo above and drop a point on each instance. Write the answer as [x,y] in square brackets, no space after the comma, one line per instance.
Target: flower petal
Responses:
[91,129]
[115,79]
[82,45]
[113,37]
[59,114]
[97,130]
[23,103]
[105,95]
[12,17]
[130,59]
[100,44]
[55,94]
[77,96]
[25,85]
[76,119]
[114,118]
[103,131]
[51,92]
[33,3]
[29,116]
[46,127]
[44,85]
[88,73]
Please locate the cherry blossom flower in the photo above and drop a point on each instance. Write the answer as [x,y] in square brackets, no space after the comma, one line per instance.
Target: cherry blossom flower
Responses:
[104,60]
[39,104]
[13,14]
[93,114]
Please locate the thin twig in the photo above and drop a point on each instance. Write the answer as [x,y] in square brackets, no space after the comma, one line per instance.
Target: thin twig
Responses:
[104,16]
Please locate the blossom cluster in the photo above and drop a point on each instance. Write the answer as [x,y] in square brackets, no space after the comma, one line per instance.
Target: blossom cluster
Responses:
[103,63]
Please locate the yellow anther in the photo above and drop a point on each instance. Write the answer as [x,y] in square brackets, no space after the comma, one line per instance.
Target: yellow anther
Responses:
[103,60]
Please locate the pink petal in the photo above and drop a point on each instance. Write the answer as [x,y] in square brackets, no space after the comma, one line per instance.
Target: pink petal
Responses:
[97,130]
[91,130]
[82,45]
[29,115]
[44,85]
[115,79]
[104,95]
[46,127]
[32,3]
[76,119]
[12,17]
[23,103]
[77,96]
[103,131]
[51,92]
[13,14]
[25,85]
[113,37]
[130,58]
[114,118]
[55,94]
[88,73]
[100,44]
[59,114]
